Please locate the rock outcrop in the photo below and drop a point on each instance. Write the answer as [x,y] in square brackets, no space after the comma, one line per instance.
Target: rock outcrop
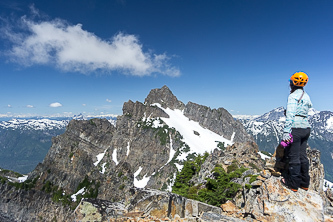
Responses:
[218,120]
[73,154]
[273,202]
[243,154]
[30,205]
[150,205]
[165,97]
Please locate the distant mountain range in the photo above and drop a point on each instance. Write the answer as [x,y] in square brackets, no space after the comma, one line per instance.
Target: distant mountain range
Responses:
[25,142]
[267,131]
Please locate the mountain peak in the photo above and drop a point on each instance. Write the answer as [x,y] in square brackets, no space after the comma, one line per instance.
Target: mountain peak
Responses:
[79,117]
[312,111]
[165,97]
[274,114]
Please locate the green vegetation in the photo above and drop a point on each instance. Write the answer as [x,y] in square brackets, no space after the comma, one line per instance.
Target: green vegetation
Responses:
[216,191]
[164,187]
[10,173]
[58,195]
[3,179]
[129,115]
[162,132]
[91,188]
[232,167]
[71,155]
[254,167]
[248,186]
[182,182]
[48,187]
[91,121]
[253,178]
[26,185]
[220,145]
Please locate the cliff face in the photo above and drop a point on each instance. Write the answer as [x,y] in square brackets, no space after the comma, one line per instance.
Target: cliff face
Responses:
[123,166]
[30,205]
[218,120]
[73,154]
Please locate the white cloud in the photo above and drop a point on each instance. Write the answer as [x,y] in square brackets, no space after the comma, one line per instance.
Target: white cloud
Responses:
[108,100]
[70,48]
[84,104]
[9,106]
[54,105]
[30,106]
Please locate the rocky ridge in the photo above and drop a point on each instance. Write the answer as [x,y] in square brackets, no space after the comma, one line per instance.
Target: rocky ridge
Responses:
[265,200]
[129,168]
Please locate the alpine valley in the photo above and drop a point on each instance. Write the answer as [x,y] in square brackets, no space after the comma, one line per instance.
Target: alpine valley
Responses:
[24,142]
[267,131]
[162,160]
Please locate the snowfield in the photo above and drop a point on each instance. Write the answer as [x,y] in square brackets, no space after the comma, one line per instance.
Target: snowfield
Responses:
[203,141]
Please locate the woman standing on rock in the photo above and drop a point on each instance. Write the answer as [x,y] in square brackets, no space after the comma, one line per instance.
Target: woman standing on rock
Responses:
[297,131]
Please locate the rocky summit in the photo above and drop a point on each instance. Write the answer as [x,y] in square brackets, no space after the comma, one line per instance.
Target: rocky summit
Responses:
[162,161]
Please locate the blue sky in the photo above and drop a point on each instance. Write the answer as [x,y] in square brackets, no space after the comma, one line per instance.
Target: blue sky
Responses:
[68,57]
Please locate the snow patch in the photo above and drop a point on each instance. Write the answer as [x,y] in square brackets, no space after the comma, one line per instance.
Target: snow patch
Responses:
[172,152]
[99,157]
[179,167]
[114,156]
[233,136]
[312,112]
[245,117]
[22,179]
[77,193]
[263,156]
[329,123]
[128,148]
[327,184]
[140,183]
[157,123]
[282,119]
[113,122]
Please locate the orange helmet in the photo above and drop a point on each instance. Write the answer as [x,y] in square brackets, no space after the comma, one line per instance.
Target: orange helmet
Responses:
[299,79]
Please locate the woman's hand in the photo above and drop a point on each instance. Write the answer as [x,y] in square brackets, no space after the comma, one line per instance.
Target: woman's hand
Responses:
[286,137]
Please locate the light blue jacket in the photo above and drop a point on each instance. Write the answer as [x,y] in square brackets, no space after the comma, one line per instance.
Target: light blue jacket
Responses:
[297,113]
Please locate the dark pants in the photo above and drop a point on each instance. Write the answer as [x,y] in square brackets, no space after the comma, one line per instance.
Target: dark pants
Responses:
[298,160]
